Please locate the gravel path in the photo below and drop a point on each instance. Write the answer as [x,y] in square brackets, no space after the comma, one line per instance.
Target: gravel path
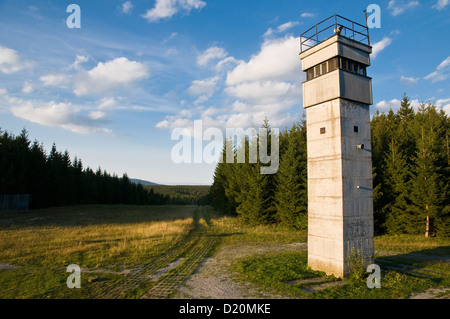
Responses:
[214,280]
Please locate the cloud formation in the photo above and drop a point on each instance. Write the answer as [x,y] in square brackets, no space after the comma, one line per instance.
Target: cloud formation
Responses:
[277,59]
[167,8]
[54,79]
[441,4]
[267,85]
[64,115]
[205,87]
[394,104]
[281,28]
[380,46]
[10,61]
[109,75]
[399,8]
[307,15]
[441,73]
[409,81]
[211,54]
[27,87]
[126,7]
[444,104]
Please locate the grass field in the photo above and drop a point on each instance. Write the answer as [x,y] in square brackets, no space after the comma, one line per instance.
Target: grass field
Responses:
[147,251]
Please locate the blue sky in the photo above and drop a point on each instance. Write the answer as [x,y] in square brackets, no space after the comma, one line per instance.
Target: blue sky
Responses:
[112,91]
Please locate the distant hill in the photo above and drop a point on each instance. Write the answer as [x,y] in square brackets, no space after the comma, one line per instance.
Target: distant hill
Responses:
[142,182]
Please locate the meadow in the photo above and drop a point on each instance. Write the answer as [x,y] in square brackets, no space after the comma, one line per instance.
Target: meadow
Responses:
[149,251]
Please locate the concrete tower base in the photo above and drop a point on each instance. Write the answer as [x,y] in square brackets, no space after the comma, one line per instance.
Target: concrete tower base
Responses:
[340,205]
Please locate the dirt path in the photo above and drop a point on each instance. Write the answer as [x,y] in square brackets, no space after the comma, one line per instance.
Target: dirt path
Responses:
[170,269]
[214,280]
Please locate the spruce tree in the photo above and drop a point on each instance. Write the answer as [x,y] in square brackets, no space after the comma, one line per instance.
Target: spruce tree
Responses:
[428,189]
[291,194]
[399,218]
[405,128]
[221,183]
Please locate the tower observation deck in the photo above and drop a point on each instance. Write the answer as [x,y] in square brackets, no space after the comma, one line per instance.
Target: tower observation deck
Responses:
[332,26]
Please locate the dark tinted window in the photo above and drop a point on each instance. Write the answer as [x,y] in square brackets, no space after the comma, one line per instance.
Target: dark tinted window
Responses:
[333,64]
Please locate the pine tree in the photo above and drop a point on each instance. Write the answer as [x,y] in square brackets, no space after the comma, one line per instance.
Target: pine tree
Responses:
[223,187]
[399,218]
[253,191]
[381,133]
[291,194]
[405,128]
[428,189]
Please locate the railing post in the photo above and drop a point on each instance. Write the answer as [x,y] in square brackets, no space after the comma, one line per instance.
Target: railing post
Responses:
[367,28]
[317,35]
[353,30]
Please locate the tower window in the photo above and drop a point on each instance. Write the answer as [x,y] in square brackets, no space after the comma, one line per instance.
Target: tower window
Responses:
[333,64]
[324,67]
[362,70]
[310,74]
[322,130]
[355,129]
[317,71]
[343,64]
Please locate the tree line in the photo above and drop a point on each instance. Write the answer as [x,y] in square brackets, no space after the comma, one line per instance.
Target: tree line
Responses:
[411,175]
[54,179]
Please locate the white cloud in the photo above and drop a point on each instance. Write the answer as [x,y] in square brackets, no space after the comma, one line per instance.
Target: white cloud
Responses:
[444,104]
[384,105]
[441,73]
[380,46]
[10,61]
[444,64]
[54,79]
[63,115]
[281,28]
[107,103]
[446,109]
[27,87]
[441,4]
[79,59]
[440,102]
[267,85]
[228,61]
[201,99]
[3,91]
[172,36]
[126,7]
[95,115]
[409,81]
[210,54]
[307,15]
[415,104]
[398,8]
[167,8]
[277,60]
[262,92]
[109,75]
[394,104]
[205,87]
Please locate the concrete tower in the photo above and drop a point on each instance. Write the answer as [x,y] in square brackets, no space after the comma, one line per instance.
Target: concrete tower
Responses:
[336,96]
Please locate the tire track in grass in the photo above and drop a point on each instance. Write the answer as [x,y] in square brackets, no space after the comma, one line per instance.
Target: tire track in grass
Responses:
[174,278]
[194,247]
[205,241]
